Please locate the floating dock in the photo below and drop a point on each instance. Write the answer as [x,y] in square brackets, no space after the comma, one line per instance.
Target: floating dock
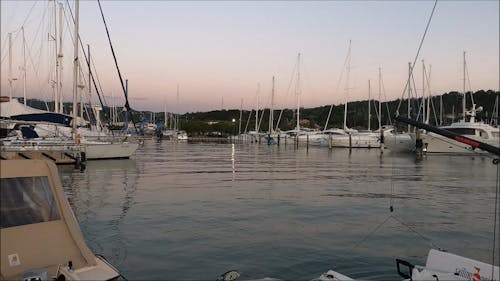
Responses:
[61,154]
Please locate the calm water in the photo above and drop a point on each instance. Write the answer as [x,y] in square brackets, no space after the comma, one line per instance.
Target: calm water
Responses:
[193,211]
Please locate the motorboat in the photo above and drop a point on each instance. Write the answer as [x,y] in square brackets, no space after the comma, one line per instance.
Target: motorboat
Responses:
[40,236]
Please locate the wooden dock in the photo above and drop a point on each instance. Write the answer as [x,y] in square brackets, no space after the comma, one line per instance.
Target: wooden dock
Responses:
[61,154]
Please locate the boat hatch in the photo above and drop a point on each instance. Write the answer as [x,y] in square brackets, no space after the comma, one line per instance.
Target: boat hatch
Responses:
[26,200]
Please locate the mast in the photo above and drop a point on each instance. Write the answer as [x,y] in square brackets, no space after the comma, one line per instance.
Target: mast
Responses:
[165,123]
[241,116]
[59,66]
[409,92]
[271,112]
[10,66]
[75,65]
[177,115]
[380,99]
[54,80]
[24,66]
[463,100]
[369,109]
[347,84]
[428,78]
[424,106]
[257,110]
[297,92]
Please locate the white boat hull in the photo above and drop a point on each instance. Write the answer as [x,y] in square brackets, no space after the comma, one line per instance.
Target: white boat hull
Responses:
[107,150]
[433,143]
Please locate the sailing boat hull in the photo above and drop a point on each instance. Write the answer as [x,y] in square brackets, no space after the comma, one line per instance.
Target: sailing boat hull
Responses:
[108,150]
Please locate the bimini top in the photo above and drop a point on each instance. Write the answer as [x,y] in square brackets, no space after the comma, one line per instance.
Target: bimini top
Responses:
[38,228]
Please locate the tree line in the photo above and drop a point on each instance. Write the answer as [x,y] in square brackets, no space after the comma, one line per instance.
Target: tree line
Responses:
[444,109]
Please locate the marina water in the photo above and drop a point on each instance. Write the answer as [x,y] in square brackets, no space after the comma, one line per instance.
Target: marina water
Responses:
[192,211]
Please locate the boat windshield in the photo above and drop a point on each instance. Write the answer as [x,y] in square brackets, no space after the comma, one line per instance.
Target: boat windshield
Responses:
[26,200]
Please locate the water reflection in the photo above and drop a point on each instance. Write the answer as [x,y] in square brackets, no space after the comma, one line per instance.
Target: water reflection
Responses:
[184,211]
[101,197]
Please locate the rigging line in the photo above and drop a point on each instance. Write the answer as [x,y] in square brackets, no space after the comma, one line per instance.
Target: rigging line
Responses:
[468,82]
[114,55]
[248,120]
[102,100]
[495,218]
[416,232]
[416,56]
[125,93]
[287,92]
[386,104]
[336,90]
[29,13]
[5,48]
[370,233]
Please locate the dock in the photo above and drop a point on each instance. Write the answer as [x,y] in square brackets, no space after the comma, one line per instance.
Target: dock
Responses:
[59,153]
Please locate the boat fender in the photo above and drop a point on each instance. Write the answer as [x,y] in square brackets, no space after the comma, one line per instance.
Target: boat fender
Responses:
[230,275]
[78,138]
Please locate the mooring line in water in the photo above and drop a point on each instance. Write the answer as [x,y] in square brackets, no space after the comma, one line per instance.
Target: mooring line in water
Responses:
[416,232]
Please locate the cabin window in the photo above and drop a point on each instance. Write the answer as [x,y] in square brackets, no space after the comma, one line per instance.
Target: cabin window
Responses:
[462,131]
[26,201]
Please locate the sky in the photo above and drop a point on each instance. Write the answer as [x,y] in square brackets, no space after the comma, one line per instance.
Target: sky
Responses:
[189,56]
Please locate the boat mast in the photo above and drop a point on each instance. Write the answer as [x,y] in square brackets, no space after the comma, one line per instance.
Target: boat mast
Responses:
[75,65]
[177,115]
[380,99]
[347,84]
[24,66]
[409,92]
[369,109]
[10,66]
[59,66]
[297,92]
[429,96]
[424,106]
[241,116]
[271,111]
[463,100]
[54,37]
[165,123]
[257,110]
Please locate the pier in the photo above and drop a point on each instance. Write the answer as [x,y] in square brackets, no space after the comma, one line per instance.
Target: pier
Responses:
[61,154]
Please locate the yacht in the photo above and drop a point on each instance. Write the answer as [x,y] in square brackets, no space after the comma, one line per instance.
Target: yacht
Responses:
[486,133]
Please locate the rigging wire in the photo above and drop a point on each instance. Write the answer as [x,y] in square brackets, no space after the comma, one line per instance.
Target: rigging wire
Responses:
[418,52]
[127,105]
[336,90]
[292,76]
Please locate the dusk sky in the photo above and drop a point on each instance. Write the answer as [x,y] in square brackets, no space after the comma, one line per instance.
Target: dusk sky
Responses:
[219,52]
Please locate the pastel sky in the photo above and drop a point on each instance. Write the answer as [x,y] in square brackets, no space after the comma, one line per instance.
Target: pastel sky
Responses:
[220,52]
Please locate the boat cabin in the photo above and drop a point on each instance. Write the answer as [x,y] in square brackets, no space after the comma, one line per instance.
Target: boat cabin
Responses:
[40,236]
